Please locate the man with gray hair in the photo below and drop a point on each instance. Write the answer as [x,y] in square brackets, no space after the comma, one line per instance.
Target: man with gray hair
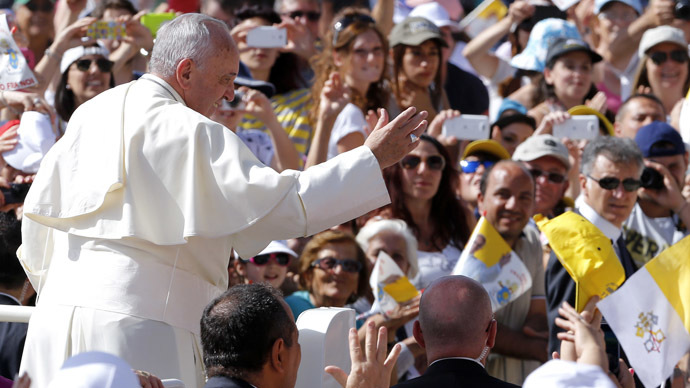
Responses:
[132,217]
[609,178]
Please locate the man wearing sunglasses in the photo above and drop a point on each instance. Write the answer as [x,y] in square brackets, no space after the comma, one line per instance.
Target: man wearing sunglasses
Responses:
[547,160]
[661,215]
[609,179]
[301,18]
[131,219]
[478,156]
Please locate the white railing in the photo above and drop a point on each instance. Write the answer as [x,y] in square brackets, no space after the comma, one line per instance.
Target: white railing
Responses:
[15,313]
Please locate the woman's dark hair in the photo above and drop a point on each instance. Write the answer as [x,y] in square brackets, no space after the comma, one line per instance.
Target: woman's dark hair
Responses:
[65,103]
[126,5]
[447,214]
[378,94]
[436,87]
[550,92]
[285,73]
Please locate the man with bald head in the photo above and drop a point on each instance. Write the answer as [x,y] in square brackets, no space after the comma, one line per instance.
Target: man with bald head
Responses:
[456,329]
[507,201]
[131,219]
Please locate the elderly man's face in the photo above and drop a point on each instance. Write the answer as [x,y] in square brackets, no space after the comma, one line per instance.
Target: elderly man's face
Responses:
[551,179]
[212,80]
[393,244]
[509,200]
[613,205]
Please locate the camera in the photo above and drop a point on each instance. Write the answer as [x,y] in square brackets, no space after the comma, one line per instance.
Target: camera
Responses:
[16,193]
[236,104]
[652,179]
[682,10]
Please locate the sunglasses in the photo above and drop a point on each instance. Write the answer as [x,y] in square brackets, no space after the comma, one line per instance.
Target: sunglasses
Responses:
[46,6]
[347,20]
[433,162]
[281,259]
[553,177]
[660,57]
[103,64]
[471,166]
[328,263]
[312,16]
[611,183]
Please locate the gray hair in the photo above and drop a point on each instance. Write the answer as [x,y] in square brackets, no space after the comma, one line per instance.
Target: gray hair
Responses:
[189,36]
[399,227]
[617,150]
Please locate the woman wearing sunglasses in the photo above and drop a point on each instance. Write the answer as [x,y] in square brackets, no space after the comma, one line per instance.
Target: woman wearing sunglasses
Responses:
[332,273]
[664,65]
[86,72]
[422,191]
[269,266]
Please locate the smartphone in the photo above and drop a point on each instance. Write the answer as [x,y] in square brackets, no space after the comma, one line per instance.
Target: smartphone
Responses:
[613,348]
[15,193]
[153,21]
[578,127]
[267,37]
[235,104]
[467,127]
[106,30]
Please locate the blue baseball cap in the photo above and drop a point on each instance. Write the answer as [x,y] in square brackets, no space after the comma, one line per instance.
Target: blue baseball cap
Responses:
[544,33]
[507,105]
[635,4]
[650,135]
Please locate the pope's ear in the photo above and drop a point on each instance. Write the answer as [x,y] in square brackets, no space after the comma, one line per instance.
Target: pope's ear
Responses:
[183,73]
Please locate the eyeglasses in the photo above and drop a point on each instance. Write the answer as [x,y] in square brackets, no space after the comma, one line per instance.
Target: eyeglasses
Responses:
[553,177]
[328,263]
[660,57]
[280,258]
[471,166]
[103,64]
[611,183]
[433,162]
[347,20]
[312,16]
[45,6]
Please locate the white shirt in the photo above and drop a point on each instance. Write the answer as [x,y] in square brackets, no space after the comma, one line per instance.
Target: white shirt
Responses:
[350,120]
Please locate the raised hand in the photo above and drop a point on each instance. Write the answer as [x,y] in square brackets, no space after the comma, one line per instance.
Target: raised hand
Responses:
[391,141]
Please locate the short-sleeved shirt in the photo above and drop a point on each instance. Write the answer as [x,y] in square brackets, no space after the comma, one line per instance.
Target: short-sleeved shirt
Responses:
[350,120]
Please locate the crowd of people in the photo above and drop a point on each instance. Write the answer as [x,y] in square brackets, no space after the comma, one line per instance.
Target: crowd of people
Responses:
[200,188]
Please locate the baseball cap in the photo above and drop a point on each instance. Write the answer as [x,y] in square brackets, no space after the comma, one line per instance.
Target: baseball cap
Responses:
[583,110]
[434,12]
[562,46]
[278,247]
[491,147]
[538,146]
[414,31]
[72,55]
[452,7]
[661,34]
[511,112]
[244,78]
[655,132]
[634,4]
[36,137]
[533,57]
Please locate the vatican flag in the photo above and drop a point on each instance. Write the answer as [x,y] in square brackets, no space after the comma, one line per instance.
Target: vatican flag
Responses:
[586,253]
[488,259]
[650,314]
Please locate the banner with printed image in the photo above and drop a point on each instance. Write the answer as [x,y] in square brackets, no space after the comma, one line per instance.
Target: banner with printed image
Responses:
[14,70]
[390,285]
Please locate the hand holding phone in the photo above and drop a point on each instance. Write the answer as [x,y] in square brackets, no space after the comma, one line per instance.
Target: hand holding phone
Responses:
[267,37]
[467,127]
[106,30]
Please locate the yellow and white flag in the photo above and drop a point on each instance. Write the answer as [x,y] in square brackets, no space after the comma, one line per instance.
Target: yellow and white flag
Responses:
[586,253]
[650,314]
[488,259]
[485,15]
[390,285]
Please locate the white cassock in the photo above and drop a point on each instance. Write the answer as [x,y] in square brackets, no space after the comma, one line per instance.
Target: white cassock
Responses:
[132,216]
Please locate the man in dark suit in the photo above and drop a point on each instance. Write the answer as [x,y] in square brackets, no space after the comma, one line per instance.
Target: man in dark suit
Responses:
[457,330]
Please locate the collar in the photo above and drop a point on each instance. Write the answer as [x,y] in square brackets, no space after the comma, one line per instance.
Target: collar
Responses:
[457,358]
[11,297]
[609,229]
[162,83]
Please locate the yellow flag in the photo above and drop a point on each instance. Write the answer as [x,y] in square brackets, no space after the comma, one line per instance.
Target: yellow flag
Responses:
[586,253]
[671,271]
[487,245]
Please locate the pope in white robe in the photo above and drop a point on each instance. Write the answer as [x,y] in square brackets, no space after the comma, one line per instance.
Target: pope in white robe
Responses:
[132,216]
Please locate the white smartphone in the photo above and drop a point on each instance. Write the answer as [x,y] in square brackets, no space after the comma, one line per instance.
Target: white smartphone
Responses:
[467,127]
[267,37]
[578,127]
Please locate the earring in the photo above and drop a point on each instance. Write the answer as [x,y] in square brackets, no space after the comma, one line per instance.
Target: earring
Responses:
[68,87]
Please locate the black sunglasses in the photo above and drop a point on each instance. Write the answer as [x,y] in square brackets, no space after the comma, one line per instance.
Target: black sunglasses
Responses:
[611,183]
[328,263]
[347,20]
[104,65]
[46,6]
[433,162]
[281,258]
[312,16]
[553,177]
[660,57]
